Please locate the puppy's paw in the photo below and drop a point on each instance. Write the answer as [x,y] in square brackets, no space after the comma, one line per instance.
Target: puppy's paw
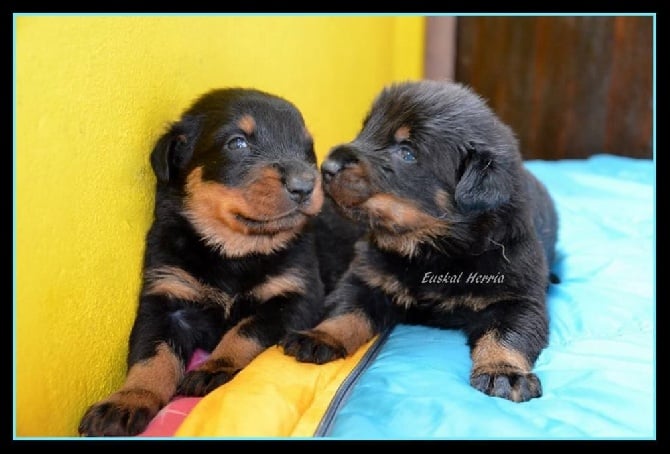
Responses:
[124,413]
[313,347]
[206,378]
[514,385]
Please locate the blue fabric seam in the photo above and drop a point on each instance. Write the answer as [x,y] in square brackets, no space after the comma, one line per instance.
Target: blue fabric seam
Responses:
[343,391]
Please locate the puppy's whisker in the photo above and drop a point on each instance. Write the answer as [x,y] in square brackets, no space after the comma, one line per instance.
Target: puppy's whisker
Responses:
[502,246]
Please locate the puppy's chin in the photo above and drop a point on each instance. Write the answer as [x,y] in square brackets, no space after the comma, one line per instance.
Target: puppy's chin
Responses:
[294,220]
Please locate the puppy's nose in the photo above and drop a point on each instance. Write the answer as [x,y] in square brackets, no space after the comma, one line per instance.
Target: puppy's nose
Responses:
[330,167]
[300,186]
[338,159]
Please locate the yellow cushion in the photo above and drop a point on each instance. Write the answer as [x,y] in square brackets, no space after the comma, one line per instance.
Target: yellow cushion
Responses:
[274,396]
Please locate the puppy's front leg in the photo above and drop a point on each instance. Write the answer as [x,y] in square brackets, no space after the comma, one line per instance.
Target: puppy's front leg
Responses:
[153,374]
[504,350]
[237,348]
[356,313]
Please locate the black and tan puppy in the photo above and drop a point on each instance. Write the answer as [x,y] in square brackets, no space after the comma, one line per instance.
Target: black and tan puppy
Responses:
[230,263]
[460,235]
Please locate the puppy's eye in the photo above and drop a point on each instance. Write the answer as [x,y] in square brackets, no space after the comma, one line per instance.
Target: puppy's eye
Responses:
[237,143]
[406,154]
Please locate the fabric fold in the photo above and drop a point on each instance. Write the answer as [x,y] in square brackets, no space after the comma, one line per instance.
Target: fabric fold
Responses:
[274,396]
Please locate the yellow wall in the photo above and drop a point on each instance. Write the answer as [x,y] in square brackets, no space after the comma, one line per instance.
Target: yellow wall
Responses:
[92,96]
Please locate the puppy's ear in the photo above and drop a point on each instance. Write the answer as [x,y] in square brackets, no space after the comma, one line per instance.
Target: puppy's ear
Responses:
[485,183]
[174,149]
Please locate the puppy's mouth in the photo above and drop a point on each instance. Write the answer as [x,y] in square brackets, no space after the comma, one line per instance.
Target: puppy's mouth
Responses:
[288,220]
[287,214]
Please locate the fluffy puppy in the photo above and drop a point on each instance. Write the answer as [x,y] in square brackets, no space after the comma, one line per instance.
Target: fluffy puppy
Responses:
[461,236]
[230,264]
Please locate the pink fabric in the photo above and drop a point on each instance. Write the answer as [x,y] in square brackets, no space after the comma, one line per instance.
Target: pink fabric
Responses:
[168,420]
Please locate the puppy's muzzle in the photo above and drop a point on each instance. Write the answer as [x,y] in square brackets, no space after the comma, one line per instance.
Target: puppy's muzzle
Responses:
[340,158]
[345,176]
[299,181]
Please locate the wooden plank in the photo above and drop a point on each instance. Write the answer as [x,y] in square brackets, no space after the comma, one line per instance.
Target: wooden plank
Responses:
[570,86]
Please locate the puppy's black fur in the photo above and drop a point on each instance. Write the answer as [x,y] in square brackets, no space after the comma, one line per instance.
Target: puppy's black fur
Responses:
[230,264]
[461,235]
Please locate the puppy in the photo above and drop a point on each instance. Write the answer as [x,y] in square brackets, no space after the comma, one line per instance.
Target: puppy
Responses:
[461,236]
[230,263]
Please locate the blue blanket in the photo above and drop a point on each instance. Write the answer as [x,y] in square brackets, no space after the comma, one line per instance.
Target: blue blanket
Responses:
[598,372]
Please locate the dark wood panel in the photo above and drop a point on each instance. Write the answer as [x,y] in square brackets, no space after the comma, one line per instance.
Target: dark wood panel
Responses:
[568,86]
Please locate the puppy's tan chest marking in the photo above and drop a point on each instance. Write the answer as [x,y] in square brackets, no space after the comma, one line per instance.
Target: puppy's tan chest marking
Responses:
[290,282]
[174,282]
[387,283]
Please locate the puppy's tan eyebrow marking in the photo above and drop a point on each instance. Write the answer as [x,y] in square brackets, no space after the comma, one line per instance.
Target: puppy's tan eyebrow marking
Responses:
[247,124]
[402,133]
